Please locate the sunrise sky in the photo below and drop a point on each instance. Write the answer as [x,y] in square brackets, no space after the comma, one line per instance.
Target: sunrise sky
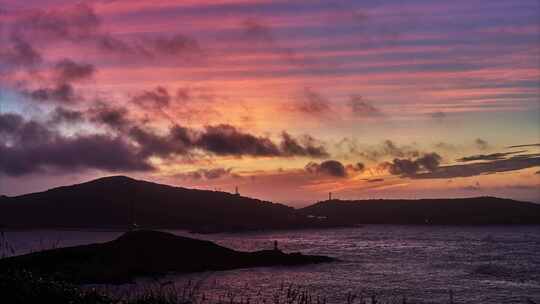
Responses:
[288,100]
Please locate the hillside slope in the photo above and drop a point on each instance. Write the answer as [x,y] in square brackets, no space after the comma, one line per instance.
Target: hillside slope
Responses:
[479,210]
[111,201]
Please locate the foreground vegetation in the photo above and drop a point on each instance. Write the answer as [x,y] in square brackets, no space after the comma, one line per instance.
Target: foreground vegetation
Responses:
[23,287]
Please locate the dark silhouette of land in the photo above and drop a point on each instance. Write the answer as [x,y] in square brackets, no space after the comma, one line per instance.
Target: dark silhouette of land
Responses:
[110,202]
[117,202]
[463,211]
[143,253]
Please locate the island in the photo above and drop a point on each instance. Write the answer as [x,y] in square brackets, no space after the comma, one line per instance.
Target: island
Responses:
[146,253]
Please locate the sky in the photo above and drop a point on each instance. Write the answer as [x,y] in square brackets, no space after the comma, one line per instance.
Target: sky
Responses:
[288,100]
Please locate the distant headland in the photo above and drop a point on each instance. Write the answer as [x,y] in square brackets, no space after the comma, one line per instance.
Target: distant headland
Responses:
[117,202]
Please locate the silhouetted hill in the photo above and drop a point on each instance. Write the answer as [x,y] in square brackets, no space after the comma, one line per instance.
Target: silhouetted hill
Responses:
[142,253]
[107,202]
[479,210]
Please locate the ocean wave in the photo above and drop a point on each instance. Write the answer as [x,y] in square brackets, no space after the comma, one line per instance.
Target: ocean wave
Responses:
[494,270]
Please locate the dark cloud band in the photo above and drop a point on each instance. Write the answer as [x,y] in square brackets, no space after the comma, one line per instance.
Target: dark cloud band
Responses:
[28,146]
